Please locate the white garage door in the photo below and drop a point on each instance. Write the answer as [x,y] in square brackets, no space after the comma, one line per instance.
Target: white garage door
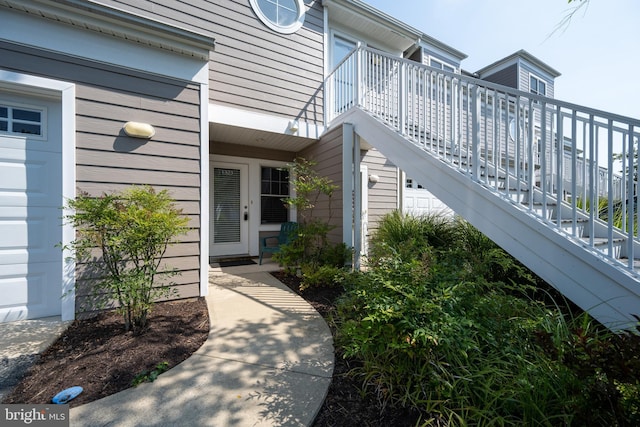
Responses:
[418,201]
[30,201]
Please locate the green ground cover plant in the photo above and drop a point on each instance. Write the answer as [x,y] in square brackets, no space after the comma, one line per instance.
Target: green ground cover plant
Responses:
[445,322]
[150,376]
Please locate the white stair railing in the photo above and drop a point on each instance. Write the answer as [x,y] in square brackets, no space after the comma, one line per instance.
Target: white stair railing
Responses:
[567,161]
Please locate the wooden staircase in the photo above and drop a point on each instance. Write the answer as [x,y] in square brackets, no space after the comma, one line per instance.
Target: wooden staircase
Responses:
[526,170]
[577,254]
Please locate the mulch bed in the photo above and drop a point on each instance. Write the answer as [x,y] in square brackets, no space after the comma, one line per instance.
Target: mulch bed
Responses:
[99,356]
[345,406]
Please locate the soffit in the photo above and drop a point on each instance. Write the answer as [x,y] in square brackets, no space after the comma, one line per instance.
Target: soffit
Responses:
[387,31]
[368,21]
[257,138]
[92,16]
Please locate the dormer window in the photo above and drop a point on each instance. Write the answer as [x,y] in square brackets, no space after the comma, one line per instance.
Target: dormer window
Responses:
[441,65]
[537,86]
[283,16]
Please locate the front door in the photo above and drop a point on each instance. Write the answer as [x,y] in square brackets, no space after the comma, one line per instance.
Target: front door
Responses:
[229,209]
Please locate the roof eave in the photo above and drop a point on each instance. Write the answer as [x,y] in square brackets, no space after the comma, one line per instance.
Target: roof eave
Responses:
[103,19]
[359,6]
[524,55]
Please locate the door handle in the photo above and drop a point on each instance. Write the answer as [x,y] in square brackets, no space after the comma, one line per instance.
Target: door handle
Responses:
[246,216]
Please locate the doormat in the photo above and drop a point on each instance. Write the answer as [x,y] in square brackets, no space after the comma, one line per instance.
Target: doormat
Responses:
[236,262]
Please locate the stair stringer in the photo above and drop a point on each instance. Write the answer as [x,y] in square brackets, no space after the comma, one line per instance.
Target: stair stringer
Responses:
[583,275]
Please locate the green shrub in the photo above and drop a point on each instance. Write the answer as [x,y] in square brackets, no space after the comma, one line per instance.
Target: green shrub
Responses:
[131,232]
[310,188]
[410,237]
[326,276]
[310,253]
[450,329]
[486,259]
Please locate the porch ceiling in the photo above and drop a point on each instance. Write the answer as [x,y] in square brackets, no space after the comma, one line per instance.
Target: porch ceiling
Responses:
[257,138]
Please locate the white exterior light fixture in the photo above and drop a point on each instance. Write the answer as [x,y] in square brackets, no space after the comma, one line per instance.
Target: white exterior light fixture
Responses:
[139,130]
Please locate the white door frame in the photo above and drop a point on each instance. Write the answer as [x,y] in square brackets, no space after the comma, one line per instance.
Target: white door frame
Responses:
[242,246]
[65,93]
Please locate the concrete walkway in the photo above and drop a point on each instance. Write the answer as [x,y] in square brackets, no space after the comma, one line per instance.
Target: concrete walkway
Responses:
[268,361]
[20,344]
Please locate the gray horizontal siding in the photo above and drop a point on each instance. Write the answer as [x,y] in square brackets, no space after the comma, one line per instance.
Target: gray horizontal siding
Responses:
[252,67]
[525,71]
[383,195]
[327,153]
[506,77]
[108,161]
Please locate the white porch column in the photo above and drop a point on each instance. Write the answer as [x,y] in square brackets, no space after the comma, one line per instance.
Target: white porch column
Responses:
[348,182]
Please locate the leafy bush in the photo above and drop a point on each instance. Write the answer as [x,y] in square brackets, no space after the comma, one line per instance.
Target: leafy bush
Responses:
[311,238]
[310,253]
[321,276]
[410,237]
[450,330]
[131,231]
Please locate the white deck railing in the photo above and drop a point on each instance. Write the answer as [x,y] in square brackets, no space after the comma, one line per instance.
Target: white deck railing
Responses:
[561,151]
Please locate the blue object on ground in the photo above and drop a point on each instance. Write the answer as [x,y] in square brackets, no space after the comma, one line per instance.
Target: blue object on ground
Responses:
[66,395]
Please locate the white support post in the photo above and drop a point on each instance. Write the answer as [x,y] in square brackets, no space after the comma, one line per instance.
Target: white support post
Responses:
[348,182]
[475,137]
[357,203]
[402,97]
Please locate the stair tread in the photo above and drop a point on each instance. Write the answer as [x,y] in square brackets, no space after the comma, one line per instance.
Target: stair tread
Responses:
[636,263]
[570,221]
[601,241]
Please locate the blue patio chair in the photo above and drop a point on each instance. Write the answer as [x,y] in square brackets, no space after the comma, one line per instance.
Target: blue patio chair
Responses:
[286,235]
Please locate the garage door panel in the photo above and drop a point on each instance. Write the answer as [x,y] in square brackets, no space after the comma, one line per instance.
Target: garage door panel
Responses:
[30,179]
[30,214]
[422,202]
[32,240]
[24,143]
[28,290]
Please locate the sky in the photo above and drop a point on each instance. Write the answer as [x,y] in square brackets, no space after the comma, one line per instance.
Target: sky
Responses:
[596,53]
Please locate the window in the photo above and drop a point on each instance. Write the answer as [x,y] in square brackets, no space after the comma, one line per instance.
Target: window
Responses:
[341,48]
[274,186]
[17,120]
[537,86]
[410,183]
[283,16]
[437,83]
[441,65]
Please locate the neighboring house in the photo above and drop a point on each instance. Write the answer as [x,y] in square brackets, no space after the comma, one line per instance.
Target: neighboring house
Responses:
[236,90]
[521,71]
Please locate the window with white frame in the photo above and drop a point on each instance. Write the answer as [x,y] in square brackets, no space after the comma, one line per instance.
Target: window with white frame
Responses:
[283,16]
[537,86]
[341,48]
[21,121]
[441,65]
[441,85]
[274,187]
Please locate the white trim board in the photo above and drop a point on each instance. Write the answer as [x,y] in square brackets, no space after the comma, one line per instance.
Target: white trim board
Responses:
[225,115]
[66,92]
[30,30]
[204,190]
